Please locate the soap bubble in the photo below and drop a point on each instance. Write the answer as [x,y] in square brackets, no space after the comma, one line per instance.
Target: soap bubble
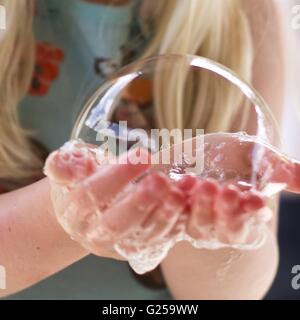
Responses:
[177,92]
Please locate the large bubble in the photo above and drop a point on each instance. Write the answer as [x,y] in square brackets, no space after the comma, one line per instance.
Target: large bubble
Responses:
[209,101]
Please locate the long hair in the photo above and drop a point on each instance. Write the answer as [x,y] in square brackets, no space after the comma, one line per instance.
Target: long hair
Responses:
[18,160]
[216,29]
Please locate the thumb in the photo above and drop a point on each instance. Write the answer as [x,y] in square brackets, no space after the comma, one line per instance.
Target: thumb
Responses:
[282,169]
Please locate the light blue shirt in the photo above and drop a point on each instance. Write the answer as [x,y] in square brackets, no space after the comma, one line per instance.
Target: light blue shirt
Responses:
[85,32]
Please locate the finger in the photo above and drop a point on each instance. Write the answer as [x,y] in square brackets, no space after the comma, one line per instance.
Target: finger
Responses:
[110,179]
[282,169]
[227,209]
[233,202]
[186,185]
[71,163]
[163,219]
[202,214]
[180,226]
[129,212]
[252,201]
[227,203]
[232,206]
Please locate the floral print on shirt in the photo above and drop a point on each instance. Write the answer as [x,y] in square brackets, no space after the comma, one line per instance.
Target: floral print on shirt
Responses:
[48,59]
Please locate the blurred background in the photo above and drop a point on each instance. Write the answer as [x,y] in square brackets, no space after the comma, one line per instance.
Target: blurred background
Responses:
[289,218]
[289,243]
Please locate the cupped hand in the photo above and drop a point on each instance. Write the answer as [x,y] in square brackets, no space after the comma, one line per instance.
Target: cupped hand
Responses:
[104,204]
[98,204]
[229,204]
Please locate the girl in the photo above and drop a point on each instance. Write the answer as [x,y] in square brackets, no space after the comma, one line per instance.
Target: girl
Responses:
[52,54]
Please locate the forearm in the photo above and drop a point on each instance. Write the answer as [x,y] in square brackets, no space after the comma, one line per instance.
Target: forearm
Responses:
[220,274]
[33,246]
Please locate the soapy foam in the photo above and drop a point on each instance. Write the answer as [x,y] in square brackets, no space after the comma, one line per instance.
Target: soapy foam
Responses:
[89,230]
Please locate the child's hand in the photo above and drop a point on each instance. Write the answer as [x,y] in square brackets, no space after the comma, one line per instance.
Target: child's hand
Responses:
[99,207]
[242,158]
[227,210]
[91,202]
[222,214]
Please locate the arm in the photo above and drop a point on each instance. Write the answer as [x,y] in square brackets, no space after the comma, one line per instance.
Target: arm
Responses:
[33,245]
[234,274]
[222,274]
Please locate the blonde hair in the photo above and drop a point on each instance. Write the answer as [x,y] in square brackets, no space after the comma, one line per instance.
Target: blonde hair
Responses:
[217,29]
[18,161]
